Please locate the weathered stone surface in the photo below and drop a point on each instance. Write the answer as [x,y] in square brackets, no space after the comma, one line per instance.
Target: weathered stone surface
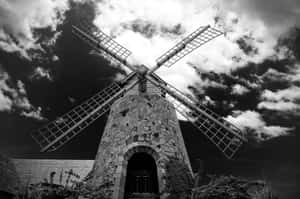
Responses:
[33,171]
[9,180]
[137,123]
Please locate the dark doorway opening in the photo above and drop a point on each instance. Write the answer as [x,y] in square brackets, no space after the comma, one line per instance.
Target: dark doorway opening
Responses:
[141,179]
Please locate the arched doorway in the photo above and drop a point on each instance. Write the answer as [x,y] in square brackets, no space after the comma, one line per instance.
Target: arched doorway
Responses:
[141,179]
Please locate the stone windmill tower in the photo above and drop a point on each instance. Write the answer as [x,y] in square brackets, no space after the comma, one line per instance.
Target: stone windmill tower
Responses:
[142,132]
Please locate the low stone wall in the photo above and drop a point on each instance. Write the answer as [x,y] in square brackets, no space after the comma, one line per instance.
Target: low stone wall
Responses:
[33,171]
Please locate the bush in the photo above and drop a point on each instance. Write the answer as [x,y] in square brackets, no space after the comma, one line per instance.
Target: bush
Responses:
[229,187]
[179,181]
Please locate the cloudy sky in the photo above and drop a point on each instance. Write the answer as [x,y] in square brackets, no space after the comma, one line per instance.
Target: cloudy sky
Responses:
[250,75]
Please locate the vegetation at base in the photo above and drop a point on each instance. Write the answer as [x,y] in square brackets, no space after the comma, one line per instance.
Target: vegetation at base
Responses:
[179,181]
[67,189]
[179,185]
[229,187]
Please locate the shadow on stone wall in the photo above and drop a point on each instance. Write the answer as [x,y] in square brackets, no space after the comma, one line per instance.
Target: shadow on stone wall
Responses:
[9,180]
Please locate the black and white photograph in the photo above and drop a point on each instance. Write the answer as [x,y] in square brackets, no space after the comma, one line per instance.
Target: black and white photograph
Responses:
[149,99]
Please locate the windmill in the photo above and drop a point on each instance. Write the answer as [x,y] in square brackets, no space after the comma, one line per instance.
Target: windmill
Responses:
[140,121]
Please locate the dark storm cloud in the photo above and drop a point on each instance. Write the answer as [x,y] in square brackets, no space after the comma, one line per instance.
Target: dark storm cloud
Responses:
[150,29]
[245,44]
[279,80]
[62,70]
[255,94]
[143,27]
[226,97]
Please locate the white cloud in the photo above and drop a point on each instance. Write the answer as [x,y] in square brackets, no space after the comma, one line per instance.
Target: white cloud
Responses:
[19,18]
[292,76]
[35,114]
[5,101]
[114,17]
[40,72]
[113,14]
[253,120]
[15,98]
[250,119]
[282,100]
[238,89]
[279,106]
[290,94]
[275,131]
[296,76]
[55,58]
[275,75]
[208,101]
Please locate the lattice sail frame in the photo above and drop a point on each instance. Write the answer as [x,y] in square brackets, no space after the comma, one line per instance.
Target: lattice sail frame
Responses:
[103,44]
[63,129]
[227,137]
[190,43]
[57,133]
[102,40]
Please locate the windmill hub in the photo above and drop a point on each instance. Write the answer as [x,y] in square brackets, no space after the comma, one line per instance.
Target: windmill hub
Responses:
[142,70]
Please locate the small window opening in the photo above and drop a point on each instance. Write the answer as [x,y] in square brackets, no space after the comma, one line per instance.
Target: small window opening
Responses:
[124,112]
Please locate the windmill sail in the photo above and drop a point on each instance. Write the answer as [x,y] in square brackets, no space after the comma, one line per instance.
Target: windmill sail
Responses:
[193,41]
[102,43]
[63,129]
[98,39]
[222,133]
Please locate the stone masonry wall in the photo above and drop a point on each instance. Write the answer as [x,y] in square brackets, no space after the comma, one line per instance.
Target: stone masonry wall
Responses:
[9,179]
[137,121]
